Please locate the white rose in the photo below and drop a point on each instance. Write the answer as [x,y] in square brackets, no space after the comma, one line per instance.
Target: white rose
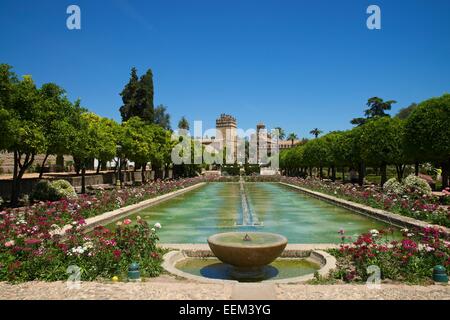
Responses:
[158,225]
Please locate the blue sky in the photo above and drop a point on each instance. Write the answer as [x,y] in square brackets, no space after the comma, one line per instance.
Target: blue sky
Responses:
[295,64]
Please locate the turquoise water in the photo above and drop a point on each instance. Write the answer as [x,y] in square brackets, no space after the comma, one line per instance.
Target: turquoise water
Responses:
[217,207]
[279,269]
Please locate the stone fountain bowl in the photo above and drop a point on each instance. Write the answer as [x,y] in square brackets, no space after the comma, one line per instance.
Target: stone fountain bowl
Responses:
[262,248]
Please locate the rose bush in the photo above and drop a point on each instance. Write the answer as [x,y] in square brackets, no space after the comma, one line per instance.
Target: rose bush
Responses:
[410,259]
[102,253]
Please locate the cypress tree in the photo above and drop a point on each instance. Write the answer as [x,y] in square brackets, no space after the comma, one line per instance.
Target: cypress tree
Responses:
[128,109]
[144,98]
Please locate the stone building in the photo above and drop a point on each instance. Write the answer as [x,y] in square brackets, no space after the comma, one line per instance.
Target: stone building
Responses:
[287,144]
[7,163]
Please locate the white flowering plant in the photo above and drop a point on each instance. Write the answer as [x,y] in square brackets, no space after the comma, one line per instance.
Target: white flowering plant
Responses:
[392,186]
[417,186]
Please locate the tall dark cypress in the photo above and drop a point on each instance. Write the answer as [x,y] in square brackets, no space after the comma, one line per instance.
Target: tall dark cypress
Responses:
[128,109]
[144,97]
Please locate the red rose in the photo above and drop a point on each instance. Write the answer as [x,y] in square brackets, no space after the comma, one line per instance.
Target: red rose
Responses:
[117,253]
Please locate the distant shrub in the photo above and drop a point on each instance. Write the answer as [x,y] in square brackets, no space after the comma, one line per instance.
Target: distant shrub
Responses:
[53,191]
[252,169]
[43,191]
[392,186]
[230,170]
[414,184]
[24,200]
[64,189]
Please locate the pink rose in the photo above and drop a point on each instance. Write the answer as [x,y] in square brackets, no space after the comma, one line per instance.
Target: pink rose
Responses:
[126,221]
[9,243]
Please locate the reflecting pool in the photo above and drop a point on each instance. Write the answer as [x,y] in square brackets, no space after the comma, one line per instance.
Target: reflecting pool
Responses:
[269,207]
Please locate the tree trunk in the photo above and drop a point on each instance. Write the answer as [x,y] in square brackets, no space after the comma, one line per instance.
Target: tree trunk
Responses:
[59,163]
[158,173]
[77,166]
[99,166]
[41,172]
[361,173]
[14,191]
[124,173]
[166,171]
[310,172]
[416,168]
[343,174]
[400,168]
[333,173]
[445,174]
[119,171]
[83,178]
[19,171]
[383,170]
[143,174]
[321,172]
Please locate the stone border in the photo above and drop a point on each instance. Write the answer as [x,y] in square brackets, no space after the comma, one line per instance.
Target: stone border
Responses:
[325,260]
[117,214]
[290,249]
[379,214]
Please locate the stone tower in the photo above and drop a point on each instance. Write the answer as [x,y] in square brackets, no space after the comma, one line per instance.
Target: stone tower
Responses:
[259,146]
[227,126]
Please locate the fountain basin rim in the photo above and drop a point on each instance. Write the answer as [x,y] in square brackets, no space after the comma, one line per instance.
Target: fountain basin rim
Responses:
[281,240]
[327,262]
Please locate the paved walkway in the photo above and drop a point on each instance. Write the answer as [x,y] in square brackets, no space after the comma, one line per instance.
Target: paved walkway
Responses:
[167,287]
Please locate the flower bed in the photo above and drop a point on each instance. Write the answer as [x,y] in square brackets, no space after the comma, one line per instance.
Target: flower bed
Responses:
[410,259]
[96,255]
[425,208]
[30,251]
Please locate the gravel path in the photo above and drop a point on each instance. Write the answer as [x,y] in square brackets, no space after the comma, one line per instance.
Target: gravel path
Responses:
[362,292]
[167,287]
[161,288]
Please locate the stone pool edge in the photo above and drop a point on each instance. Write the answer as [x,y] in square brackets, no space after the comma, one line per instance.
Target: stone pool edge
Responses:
[117,214]
[379,214]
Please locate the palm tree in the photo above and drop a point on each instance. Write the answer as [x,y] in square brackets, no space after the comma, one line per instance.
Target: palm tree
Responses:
[315,132]
[292,137]
[281,133]
[183,123]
